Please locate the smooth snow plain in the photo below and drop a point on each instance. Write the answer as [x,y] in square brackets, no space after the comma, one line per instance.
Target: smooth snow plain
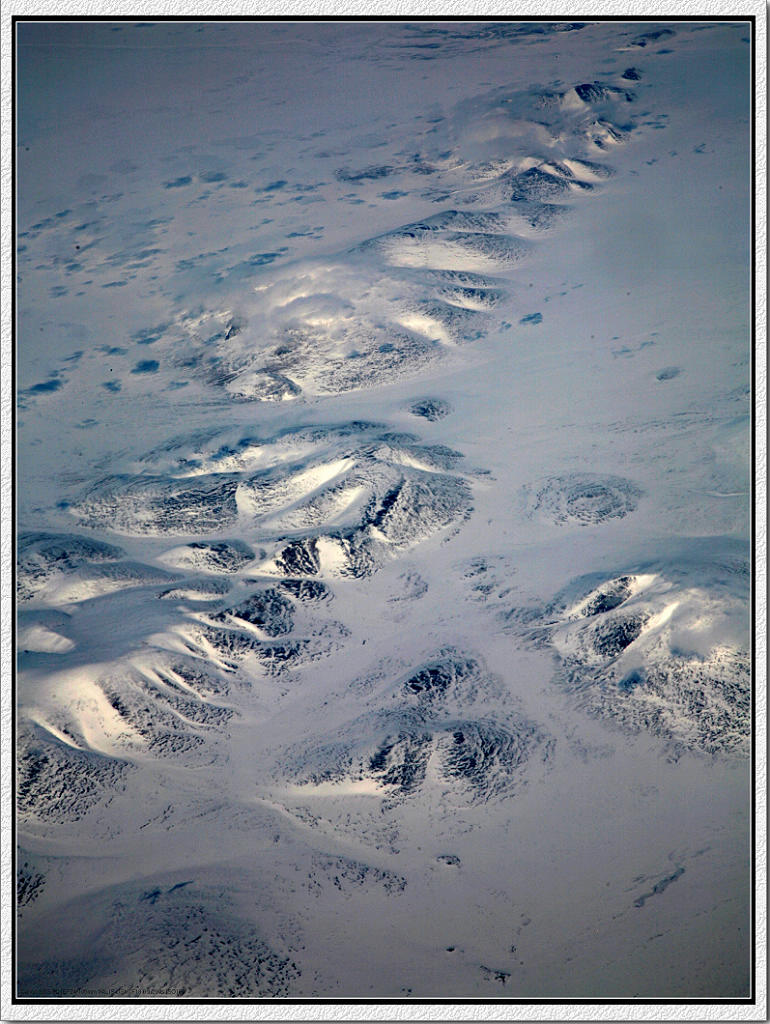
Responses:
[384,510]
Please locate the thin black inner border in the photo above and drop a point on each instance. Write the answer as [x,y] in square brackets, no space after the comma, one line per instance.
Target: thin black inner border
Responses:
[750,20]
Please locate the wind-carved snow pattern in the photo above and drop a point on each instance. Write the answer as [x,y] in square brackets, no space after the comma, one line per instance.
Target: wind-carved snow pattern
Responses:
[282,694]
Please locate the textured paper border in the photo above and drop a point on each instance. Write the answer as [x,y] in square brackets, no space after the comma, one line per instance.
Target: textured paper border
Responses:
[406,1011]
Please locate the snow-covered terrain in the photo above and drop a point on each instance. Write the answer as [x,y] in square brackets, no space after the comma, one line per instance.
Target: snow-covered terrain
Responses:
[384,562]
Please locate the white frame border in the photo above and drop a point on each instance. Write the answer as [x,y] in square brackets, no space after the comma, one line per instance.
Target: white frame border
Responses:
[235,1011]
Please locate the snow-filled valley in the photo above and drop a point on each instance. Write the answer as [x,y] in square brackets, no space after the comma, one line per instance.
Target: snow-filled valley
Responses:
[384,490]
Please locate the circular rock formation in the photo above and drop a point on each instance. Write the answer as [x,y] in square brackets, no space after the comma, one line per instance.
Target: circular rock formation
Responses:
[585,498]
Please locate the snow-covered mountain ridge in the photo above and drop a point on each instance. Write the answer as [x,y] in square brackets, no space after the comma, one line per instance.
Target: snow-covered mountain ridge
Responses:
[383,566]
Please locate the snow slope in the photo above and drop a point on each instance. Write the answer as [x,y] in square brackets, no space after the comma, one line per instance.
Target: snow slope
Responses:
[383,569]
